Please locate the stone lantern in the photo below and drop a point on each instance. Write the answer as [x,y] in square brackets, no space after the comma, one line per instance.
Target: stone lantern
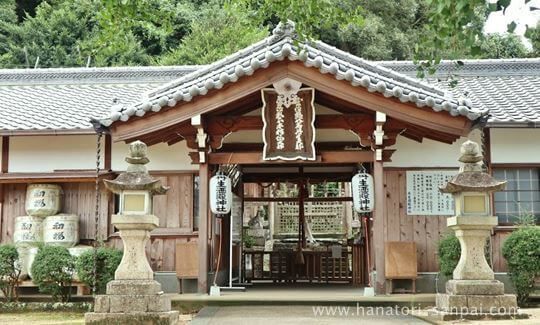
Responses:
[473,292]
[134,296]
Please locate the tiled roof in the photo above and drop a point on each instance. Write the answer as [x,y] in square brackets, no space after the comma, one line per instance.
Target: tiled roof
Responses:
[65,100]
[509,88]
[283,45]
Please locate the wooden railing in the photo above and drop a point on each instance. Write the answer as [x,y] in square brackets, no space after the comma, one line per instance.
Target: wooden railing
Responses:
[317,266]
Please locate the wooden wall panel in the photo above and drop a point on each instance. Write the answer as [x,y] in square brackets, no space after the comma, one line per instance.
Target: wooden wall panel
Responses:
[499,262]
[80,199]
[175,209]
[13,206]
[426,231]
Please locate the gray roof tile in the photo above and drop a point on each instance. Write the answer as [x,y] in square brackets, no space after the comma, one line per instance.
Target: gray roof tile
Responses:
[66,99]
[281,45]
[509,88]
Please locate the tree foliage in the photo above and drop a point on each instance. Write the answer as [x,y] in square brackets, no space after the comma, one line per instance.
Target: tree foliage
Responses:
[522,253]
[65,33]
[52,271]
[449,251]
[10,269]
[497,46]
[107,260]
[215,34]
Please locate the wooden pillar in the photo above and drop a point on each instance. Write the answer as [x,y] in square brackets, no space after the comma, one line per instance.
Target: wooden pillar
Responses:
[108,153]
[5,154]
[4,163]
[202,283]
[379,225]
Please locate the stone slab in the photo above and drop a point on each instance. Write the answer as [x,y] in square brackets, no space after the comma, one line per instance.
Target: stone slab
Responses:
[447,302]
[138,303]
[101,304]
[437,315]
[133,287]
[475,287]
[158,303]
[477,304]
[128,303]
[162,318]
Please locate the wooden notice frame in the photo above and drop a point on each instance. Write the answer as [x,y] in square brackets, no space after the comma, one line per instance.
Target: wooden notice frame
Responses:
[287,148]
[400,260]
[187,260]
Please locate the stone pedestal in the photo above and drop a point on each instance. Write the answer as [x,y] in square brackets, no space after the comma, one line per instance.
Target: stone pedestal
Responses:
[473,293]
[133,297]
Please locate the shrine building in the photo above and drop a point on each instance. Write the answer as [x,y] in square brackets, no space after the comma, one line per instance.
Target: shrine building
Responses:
[290,124]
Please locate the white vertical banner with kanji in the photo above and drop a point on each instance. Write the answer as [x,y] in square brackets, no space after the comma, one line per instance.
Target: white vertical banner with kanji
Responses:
[423,195]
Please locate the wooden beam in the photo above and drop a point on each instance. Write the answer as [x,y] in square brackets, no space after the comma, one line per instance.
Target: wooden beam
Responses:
[250,158]
[200,104]
[204,177]
[54,177]
[233,94]
[255,146]
[426,117]
[295,199]
[5,154]
[293,177]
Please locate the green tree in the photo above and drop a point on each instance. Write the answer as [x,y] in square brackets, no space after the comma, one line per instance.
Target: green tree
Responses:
[534,36]
[497,46]
[8,20]
[215,34]
[389,32]
[53,34]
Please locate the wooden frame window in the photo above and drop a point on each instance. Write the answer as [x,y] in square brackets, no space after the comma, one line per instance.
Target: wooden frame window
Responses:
[521,195]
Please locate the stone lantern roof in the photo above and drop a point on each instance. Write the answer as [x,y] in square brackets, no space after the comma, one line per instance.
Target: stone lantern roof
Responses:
[471,177]
[136,177]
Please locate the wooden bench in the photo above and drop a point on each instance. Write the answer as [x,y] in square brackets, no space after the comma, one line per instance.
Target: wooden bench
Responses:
[82,289]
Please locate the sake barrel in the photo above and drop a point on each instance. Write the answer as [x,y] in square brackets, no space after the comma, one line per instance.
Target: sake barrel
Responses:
[28,231]
[32,252]
[61,230]
[23,262]
[43,199]
[76,252]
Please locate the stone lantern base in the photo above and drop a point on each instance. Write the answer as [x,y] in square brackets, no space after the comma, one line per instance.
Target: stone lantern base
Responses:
[473,293]
[133,297]
[132,302]
[476,299]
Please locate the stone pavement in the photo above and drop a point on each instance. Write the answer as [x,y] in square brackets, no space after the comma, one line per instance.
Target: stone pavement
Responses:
[313,315]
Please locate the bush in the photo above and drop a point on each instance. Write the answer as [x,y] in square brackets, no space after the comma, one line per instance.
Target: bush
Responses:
[449,253]
[52,271]
[107,260]
[10,270]
[522,253]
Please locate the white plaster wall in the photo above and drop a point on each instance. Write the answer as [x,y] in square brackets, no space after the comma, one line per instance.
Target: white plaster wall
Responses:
[49,153]
[515,145]
[162,157]
[428,153]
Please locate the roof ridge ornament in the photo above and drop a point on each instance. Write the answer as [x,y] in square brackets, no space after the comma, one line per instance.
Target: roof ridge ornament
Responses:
[283,30]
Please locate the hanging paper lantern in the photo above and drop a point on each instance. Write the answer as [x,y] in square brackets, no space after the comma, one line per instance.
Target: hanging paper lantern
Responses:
[362,190]
[220,194]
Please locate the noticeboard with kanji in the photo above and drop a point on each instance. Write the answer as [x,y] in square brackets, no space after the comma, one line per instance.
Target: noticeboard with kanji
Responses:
[423,195]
